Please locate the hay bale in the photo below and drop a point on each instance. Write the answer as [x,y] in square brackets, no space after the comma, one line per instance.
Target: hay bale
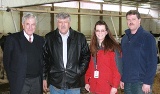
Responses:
[156,84]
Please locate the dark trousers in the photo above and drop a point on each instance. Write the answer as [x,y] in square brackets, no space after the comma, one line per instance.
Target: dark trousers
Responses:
[32,86]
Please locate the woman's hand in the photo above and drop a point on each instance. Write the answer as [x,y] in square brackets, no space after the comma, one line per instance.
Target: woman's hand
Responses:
[113,90]
[87,87]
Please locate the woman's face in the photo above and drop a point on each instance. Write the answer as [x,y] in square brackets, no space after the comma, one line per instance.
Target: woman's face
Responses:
[100,32]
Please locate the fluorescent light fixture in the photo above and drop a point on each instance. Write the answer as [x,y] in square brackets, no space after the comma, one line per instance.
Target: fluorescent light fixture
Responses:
[97,0]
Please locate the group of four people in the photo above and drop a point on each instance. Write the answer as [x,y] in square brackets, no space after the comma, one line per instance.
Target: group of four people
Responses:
[61,59]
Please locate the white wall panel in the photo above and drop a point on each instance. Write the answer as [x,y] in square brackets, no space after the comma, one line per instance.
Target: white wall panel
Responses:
[0,3]
[86,25]
[7,22]
[1,22]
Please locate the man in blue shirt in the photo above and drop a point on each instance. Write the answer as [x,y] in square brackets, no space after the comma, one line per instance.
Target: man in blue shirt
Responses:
[139,57]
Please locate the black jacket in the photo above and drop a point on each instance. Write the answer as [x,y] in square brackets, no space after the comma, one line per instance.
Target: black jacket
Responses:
[78,56]
[15,59]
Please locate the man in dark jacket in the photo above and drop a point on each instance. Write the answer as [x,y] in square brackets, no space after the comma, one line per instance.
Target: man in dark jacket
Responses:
[22,58]
[139,57]
[66,56]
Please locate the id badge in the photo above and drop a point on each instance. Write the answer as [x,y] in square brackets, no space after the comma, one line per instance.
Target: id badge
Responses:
[96,74]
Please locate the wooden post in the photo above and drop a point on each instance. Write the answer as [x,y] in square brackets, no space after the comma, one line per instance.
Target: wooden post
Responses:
[120,19]
[52,18]
[79,18]
[101,12]
[20,24]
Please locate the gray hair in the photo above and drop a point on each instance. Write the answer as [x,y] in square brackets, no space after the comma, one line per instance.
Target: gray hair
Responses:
[27,16]
[63,15]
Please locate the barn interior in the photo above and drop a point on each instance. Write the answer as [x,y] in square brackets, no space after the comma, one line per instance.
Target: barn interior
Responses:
[84,15]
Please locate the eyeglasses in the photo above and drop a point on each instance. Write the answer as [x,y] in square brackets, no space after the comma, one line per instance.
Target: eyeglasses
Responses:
[100,31]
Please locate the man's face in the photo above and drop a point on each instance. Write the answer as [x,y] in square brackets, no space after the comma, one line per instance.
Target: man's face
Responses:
[29,26]
[133,22]
[63,25]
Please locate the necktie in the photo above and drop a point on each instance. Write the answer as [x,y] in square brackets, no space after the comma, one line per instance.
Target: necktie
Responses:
[30,40]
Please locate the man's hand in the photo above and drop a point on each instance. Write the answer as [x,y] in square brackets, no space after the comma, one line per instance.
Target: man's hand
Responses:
[45,89]
[146,88]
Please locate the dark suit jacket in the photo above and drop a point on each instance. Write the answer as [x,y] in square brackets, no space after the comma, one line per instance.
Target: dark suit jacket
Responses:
[15,59]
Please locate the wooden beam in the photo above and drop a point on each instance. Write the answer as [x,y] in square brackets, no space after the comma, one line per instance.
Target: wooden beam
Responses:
[74,13]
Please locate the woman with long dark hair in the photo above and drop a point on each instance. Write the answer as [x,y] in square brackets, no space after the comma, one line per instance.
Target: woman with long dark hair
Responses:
[102,76]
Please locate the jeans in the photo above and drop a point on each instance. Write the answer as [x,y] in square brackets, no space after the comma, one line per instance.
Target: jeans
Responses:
[54,90]
[134,88]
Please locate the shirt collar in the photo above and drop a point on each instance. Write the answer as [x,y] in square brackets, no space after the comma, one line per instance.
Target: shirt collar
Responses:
[63,35]
[25,34]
